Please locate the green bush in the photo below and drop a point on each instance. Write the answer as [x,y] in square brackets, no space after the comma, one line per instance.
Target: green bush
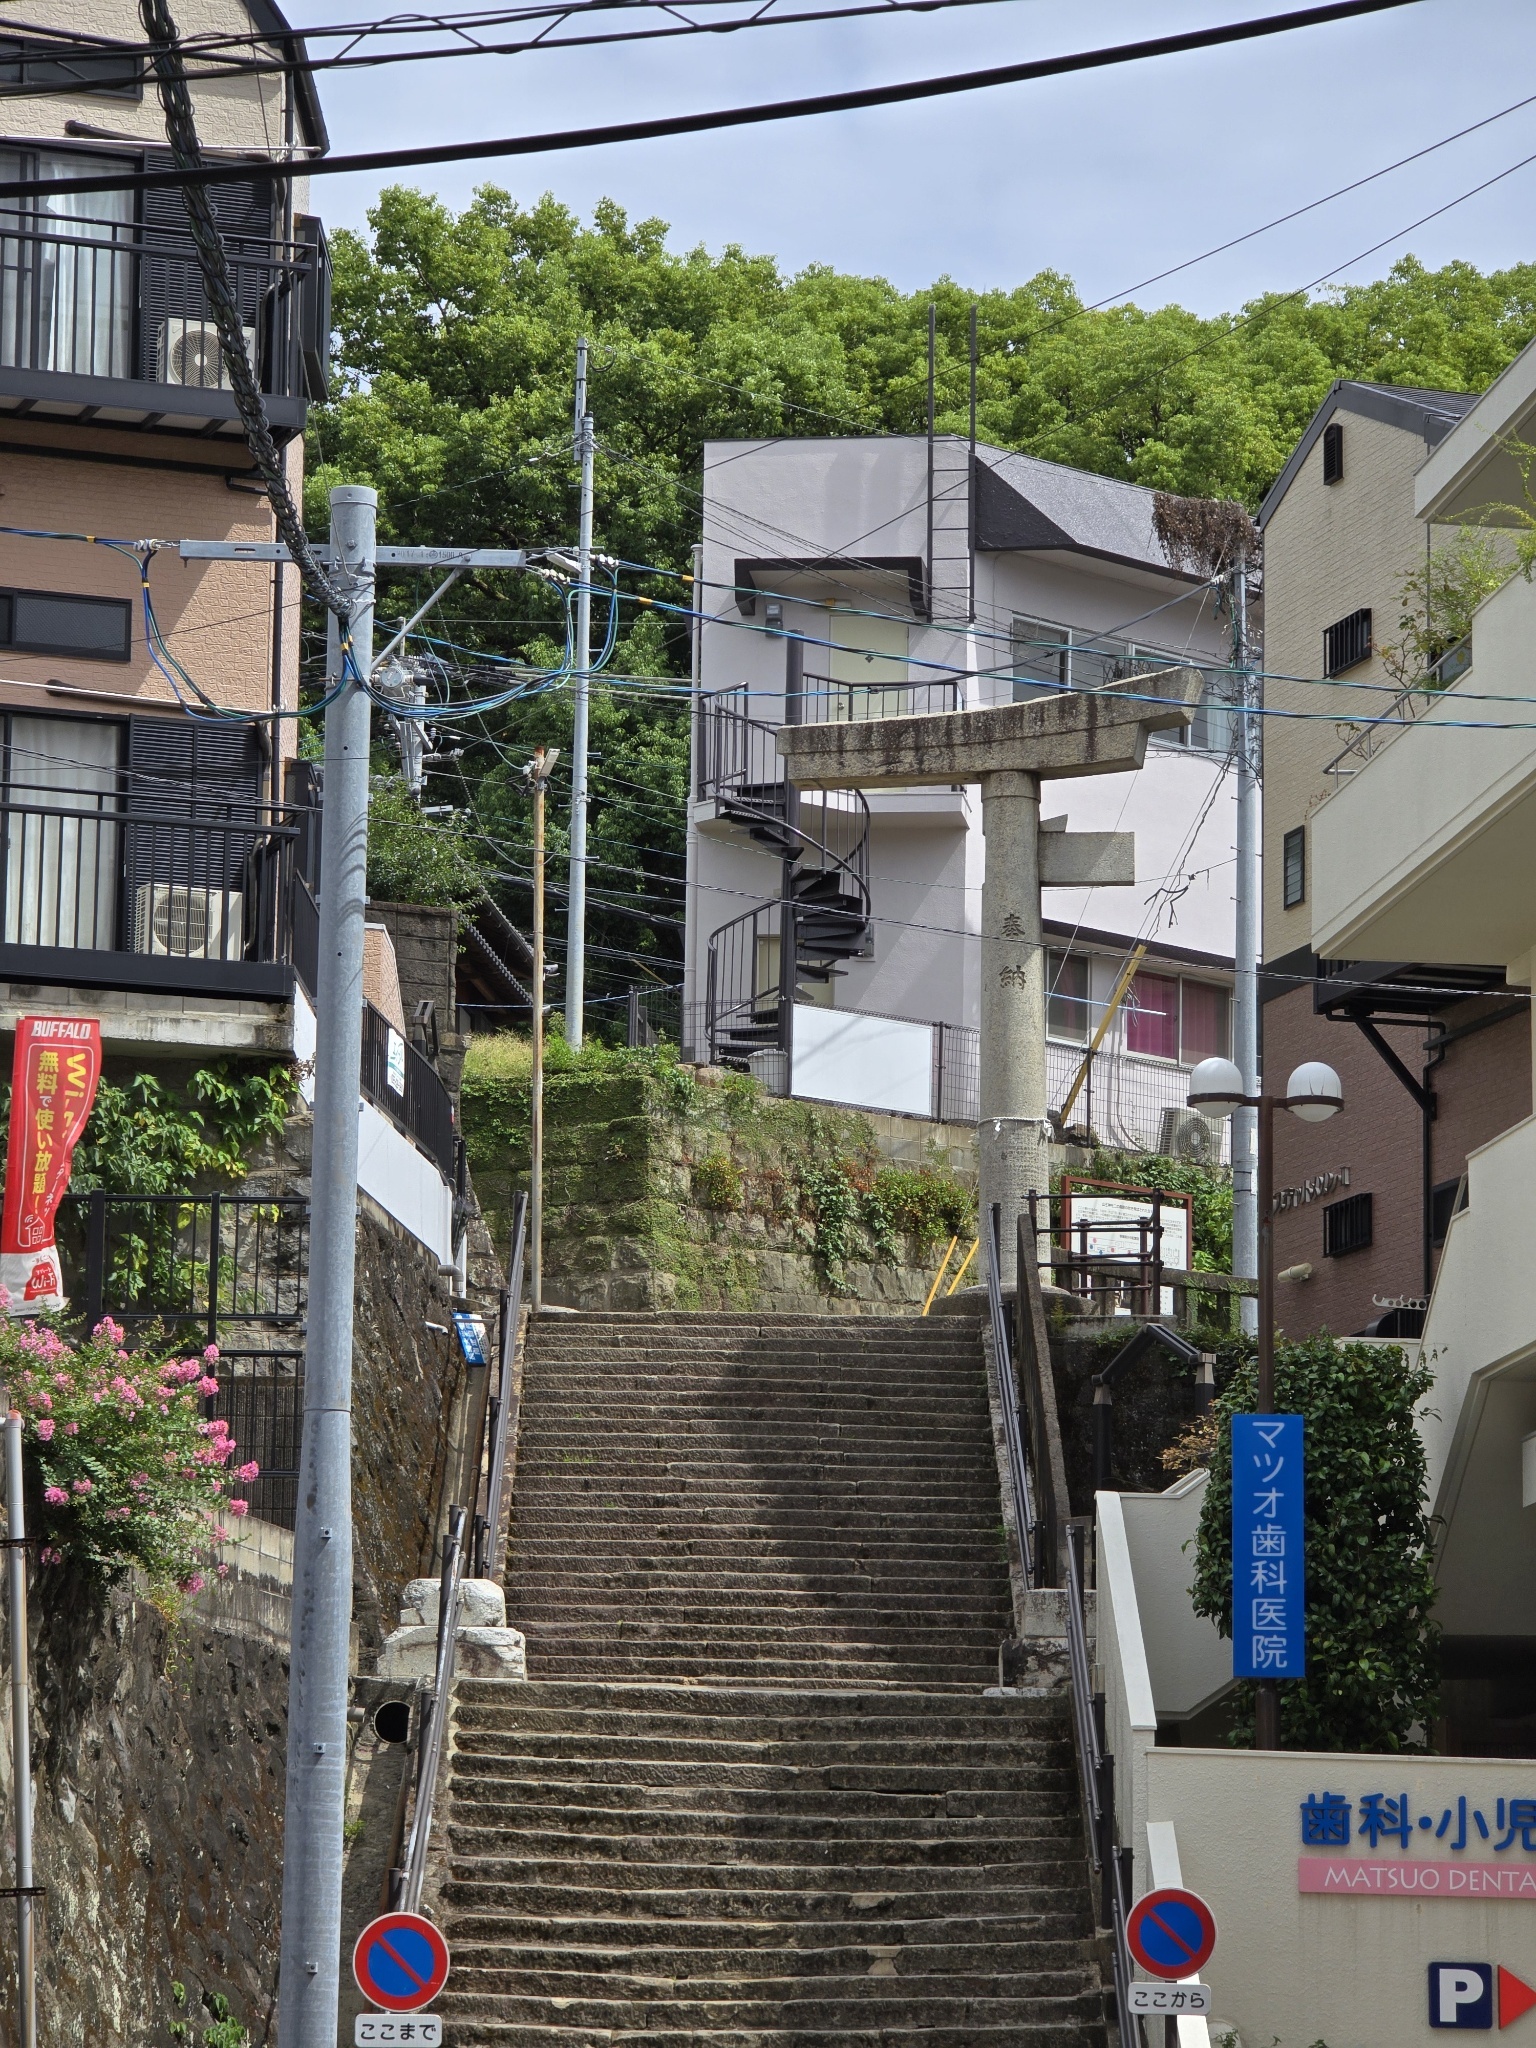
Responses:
[924,1203]
[717,1183]
[1372,1648]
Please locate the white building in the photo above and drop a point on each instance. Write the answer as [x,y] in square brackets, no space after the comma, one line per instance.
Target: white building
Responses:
[859,578]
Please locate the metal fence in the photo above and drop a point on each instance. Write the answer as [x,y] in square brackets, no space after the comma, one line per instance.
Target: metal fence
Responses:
[408,1088]
[1134,1105]
[261,1397]
[207,1260]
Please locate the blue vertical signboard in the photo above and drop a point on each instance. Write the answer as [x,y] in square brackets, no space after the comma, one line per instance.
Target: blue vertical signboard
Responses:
[1269,1620]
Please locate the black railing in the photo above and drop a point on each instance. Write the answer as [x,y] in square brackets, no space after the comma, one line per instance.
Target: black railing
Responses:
[1026,1521]
[1129,1277]
[306,936]
[1032,1361]
[822,700]
[473,1542]
[403,1082]
[125,300]
[199,895]
[1096,1770]
[261,1397]
[209,1260]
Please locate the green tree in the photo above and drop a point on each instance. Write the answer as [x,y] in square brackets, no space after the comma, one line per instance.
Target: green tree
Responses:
[456,335]
[1372,1648]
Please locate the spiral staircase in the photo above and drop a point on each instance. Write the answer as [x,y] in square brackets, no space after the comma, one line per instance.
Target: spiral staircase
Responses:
[791,943]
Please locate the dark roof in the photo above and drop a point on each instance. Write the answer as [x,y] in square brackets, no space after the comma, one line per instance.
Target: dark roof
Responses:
[1027,505]
[1157,949]
[1430,414]
[268,20]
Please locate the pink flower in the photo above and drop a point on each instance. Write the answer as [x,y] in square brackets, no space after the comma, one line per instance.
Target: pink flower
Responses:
[239,1507]
[211,1354]
[139,1479]
[42,1399]
[223,1571]
[62,1379]
[208,1384]
[193,1585]
[248,1472]
[71,1429]
[45,1429]
[106,1328]
[47,1555]
[82,1486]
[55,1496]
[5,1297]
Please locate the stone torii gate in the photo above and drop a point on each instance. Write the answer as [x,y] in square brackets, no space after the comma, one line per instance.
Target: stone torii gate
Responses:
[1009,749]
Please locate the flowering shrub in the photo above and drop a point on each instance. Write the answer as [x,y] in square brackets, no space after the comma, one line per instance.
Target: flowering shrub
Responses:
[128,1469]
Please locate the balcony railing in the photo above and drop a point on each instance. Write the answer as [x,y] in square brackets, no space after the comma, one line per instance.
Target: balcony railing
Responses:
[103,889]
[823,700]
[90,308]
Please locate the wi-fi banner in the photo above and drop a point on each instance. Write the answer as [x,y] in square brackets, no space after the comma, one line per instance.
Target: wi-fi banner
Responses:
[53,1085]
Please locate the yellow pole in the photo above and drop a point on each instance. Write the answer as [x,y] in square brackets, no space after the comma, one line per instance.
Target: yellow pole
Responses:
[1127,974]
[963,1268]
[943,1266]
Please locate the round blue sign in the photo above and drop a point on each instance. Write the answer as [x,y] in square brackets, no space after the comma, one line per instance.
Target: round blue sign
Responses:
[1171,1933]
[400,1962]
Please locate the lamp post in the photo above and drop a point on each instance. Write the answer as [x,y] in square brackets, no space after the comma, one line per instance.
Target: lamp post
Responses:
[1314,1093]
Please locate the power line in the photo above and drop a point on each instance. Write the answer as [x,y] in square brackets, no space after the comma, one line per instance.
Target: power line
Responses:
[724,117]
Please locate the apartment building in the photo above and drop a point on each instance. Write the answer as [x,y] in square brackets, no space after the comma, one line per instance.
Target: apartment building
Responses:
[1426,852]
[1433,1056]
[833,939]
[159,862]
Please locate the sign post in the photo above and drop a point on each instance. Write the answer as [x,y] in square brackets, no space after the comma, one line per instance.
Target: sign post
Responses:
[1269,1635]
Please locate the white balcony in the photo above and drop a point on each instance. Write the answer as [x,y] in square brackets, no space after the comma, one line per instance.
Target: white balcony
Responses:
[1427,852]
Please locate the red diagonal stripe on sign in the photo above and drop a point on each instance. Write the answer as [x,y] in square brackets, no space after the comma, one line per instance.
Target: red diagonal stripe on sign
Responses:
[421,1983]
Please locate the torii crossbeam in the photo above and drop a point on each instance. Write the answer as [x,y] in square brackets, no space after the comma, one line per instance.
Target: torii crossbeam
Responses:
[1010,749]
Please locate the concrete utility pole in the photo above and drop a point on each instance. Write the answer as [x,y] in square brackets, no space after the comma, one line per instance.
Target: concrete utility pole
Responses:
[1245,991]
[538,773]
[1009,749]
[310,1967]
[576,916]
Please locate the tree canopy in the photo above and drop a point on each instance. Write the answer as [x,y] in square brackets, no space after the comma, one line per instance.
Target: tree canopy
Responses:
[455,341]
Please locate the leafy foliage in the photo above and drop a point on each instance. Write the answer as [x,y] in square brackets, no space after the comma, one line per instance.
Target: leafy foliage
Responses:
[1438,598]
[717,1182]
[412,859]
[147,1139]
[923,1203]
[125,1466]
[1372,1649]
[456,338]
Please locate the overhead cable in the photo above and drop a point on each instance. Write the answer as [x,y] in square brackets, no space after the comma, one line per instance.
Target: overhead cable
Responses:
[723,117]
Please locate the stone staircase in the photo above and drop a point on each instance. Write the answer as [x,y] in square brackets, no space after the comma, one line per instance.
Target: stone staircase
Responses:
[754,1794]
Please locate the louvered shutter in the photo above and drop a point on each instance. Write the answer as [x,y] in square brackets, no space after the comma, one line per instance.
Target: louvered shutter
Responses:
[170,279]
[179,768]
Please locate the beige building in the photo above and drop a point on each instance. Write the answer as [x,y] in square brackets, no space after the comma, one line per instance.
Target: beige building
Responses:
[1433,1058]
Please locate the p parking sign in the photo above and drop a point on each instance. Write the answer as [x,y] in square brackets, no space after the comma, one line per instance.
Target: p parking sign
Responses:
[1461,1995]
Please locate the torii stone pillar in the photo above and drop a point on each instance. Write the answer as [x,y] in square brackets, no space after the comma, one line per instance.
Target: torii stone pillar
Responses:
[1009,749]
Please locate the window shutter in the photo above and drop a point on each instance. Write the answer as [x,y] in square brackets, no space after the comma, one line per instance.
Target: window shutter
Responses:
[218,767]
[170,280]
[1333,452]
[1347,1226]
[1347,642]
[1294,863]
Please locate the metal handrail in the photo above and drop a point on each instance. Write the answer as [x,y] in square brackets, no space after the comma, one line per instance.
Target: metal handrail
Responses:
[434,1720]
[1096,1769]
[1008,1396]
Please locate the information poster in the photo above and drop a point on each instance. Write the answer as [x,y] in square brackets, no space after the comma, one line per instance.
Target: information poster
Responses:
[53,1084]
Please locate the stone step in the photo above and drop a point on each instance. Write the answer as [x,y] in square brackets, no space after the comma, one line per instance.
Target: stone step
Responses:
[474,1834]
[785,1544]
[569,1796]
[768,1775]
[484,1800]
[857,2004]
[552,1887]
[817,1629]
[696,1968]
[868,1923]
[832,1578]
[821,1663]
[478,2031]
[762,1719]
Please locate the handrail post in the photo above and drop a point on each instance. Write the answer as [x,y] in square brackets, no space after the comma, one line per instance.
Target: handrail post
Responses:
[96,1257]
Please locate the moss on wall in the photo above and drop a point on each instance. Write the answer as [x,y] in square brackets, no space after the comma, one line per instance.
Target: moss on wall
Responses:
[687,1187]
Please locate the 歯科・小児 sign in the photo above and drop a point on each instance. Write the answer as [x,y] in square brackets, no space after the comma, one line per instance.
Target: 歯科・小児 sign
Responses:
[1357,1845]
[1269,1635]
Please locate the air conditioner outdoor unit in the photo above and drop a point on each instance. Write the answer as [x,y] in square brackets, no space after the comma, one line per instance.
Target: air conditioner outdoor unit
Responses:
[183,923]
[190,353]
[1187,1134]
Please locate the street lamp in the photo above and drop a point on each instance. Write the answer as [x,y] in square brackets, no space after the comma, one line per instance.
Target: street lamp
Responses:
[1314,1093]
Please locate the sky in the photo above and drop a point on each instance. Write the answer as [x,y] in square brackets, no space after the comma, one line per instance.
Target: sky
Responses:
[1110,177]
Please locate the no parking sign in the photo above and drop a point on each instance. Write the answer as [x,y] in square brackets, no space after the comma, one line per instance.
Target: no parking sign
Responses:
[400,1962]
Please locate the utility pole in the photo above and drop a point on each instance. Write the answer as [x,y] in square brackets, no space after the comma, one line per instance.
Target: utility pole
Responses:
[310,1952]
[576,914]
[537,772]
[21,1728]
[310,1967]
[1245,1215]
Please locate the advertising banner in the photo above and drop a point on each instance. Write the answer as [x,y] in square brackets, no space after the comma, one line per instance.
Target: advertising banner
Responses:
[53,1084]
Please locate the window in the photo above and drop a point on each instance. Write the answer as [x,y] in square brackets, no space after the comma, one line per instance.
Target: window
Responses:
[1443,1205]
[1346,1226]
[1152,1016]
[51,67]
[1042,658]
[1333,452]
[1294,866]
[1347,642]
[1066,1003]
[66,272]
[52,622]
[1203,1032]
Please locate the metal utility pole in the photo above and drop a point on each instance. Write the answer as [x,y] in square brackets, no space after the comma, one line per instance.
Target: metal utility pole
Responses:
[1245,1006]
[21,1728]
[538,771]
[576,916]
[310,1966]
